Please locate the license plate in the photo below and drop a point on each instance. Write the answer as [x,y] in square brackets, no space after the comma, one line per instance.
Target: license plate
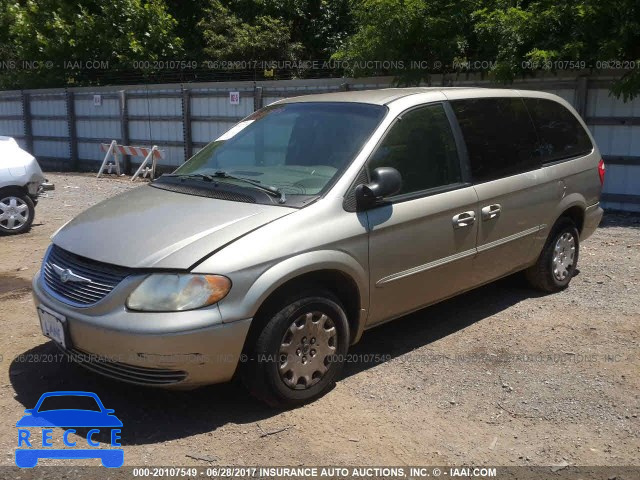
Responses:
[52,325]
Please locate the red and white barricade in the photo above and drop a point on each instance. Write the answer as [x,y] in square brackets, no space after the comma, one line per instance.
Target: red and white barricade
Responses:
[115,151]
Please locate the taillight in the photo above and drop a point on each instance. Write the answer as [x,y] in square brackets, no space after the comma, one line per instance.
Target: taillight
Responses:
[601,169]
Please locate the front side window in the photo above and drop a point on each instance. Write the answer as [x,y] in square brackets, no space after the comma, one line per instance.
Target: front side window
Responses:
[561,135]
[421,146]
[297,148]
[500,137]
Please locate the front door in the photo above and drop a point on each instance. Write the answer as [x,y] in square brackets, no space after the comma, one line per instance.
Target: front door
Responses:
[422,242]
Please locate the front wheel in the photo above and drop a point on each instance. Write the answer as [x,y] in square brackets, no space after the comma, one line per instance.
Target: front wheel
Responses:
[300,351]
[16,211]
[557,262]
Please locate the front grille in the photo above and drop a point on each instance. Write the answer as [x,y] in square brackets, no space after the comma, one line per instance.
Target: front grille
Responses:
[125,372]
[101,278]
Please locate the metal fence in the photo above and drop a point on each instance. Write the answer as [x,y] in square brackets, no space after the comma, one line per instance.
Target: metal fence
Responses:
[64,127]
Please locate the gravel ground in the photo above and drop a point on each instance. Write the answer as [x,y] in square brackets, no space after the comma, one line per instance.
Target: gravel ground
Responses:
[497,376]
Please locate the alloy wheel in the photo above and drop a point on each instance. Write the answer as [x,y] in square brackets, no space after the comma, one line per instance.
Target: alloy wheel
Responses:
[14,213]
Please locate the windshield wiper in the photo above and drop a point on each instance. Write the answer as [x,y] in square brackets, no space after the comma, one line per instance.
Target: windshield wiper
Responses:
[273,191]
[202,176]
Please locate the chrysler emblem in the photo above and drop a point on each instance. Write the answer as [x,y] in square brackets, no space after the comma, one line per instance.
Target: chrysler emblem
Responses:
[66,275]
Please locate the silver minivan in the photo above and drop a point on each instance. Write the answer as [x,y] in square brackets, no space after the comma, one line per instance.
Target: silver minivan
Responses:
[271,251]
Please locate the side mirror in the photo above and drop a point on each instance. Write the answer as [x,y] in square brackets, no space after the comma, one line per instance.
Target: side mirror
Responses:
[385,181]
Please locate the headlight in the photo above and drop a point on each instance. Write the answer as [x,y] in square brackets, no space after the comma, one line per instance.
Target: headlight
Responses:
[174,292]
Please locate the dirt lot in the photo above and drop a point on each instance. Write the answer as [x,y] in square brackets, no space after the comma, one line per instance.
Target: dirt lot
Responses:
[498,376]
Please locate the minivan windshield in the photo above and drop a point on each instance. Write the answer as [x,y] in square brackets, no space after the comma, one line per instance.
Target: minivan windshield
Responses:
[291,148]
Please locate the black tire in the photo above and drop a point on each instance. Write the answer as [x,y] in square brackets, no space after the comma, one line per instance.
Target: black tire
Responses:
[261,374]
[541,275]
[17,193]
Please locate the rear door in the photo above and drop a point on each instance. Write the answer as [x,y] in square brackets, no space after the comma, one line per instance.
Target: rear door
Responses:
[422,241]
[505,163]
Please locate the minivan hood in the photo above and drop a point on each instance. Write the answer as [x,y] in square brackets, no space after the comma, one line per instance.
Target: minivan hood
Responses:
[152,228]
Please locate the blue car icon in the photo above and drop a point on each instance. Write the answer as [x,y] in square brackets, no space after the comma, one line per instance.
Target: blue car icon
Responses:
[42,417]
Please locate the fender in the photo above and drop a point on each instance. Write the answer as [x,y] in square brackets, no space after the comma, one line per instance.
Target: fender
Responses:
[275,276]
[571,200]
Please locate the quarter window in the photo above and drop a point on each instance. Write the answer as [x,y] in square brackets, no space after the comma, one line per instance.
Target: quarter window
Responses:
[500,137]
[422,148]
[561,135]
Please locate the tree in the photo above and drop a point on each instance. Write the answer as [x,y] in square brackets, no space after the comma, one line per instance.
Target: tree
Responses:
[274,29]
[187,14]
[513,35]
[404,31]
[62,36]
[229,36]
[548,32]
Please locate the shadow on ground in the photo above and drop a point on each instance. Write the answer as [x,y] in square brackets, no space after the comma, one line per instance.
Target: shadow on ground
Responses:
[430,324]
[620,219]
[151,416]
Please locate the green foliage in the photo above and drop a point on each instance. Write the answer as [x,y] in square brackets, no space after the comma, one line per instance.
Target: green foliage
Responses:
[228,36]
[62,36]
[274,29]
[187,14]
[409,30]
[548,32]
[516,37]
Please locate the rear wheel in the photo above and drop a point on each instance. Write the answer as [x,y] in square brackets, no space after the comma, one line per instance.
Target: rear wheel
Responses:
[300,351]
[16,211]
[557,262]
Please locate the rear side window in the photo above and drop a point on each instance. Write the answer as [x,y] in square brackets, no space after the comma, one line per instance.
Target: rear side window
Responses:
[500,137]
[561,135]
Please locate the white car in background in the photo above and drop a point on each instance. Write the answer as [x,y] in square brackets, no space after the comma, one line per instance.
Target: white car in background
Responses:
[21,181]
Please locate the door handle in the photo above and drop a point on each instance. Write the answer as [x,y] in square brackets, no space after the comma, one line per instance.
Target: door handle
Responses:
[464,219]
[491,211]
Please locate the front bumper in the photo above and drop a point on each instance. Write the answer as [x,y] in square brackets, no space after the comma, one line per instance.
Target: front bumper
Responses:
[165,357]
